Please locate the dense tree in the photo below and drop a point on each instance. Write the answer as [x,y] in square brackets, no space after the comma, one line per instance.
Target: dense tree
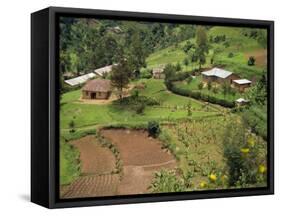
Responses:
[201,45]
[137,55]
[120,77]
[262,38]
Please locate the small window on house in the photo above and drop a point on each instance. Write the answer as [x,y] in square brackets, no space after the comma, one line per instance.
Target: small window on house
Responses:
[99,93]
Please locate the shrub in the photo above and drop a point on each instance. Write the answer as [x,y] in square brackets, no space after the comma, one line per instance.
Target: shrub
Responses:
[153,128]
[178,67]
[242,152]
[189,79]
[146,73]
[140,108]
[71,126]
[185,61]
[251,61]
[215,90]
[199,96]
[200,86]
[167,181]
[230,55]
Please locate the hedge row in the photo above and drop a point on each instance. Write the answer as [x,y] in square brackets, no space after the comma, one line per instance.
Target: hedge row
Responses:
[199,96]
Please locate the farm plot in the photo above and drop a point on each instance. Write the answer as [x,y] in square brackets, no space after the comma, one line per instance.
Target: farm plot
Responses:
[141,156]
[95,159]
[97,166]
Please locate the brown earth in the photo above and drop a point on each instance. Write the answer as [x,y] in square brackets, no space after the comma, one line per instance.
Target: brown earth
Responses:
[141,156]
[260,56]
[91,186]
[136,147]
[95,158]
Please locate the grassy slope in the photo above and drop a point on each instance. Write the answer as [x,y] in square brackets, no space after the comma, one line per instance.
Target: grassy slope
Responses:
[89,114]
[193,85]
[239,46]
[69,166]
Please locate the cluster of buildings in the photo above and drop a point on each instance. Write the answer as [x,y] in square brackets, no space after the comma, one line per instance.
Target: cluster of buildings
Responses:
[223,76]
[94,88]
[101,88]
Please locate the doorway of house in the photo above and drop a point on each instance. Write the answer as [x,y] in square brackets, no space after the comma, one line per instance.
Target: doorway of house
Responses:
[93,95]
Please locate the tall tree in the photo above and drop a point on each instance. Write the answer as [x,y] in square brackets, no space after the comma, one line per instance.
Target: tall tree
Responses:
[137,54]
[120,77]
[202,45]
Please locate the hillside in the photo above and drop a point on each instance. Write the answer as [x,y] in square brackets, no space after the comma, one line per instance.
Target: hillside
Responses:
[229,47]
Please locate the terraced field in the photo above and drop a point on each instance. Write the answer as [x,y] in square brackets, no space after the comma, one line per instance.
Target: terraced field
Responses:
[91,186]
[140,154]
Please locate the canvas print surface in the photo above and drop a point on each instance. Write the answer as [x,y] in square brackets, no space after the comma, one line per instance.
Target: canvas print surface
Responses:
[149,107]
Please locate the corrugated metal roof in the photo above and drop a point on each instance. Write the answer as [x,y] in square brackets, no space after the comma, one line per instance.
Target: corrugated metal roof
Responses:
[101,71]
[218,72]
[240,100]
[80,79]
[242,81]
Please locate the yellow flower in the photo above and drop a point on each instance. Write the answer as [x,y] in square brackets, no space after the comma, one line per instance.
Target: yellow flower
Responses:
[213,177]
[251,141]
[203,184]
[245,150]
[262,169]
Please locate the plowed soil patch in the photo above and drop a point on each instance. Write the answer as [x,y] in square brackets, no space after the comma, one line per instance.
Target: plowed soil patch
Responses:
[142,156]
[91,186]
[94,158]
[136,147]
[260,56]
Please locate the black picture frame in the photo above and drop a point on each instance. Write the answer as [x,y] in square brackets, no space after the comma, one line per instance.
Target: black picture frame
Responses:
[45,107]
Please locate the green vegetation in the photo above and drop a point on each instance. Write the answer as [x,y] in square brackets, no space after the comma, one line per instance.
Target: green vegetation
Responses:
[153,128]
[167,181]
[210,89]
[216,143]
[172,107]
[69,167]
[245,155]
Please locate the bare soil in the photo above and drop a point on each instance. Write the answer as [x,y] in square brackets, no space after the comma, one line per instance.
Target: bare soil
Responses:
[95,158]
[141,156]
[91,186]
[260,56]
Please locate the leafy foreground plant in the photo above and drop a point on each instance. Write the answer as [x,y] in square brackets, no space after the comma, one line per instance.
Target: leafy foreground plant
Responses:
[167,181]
[246,157]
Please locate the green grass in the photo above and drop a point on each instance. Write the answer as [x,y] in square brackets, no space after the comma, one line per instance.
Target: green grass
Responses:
[156,89]
[239,45]
[171,108]
[193,85]
[69,165]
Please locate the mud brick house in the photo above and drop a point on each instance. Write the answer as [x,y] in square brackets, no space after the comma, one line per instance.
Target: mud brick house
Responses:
[96,89]
[219,75]
[158,73]
[241,84]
